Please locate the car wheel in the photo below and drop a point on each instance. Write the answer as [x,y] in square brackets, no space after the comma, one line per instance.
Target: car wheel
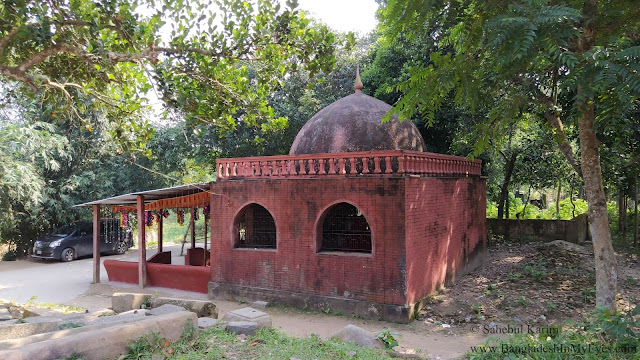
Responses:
[67,254]
[121,247]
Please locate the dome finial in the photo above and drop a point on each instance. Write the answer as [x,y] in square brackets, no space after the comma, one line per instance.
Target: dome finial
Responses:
[358,84]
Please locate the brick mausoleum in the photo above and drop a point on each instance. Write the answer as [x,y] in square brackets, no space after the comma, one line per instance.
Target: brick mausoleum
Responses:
[356,219]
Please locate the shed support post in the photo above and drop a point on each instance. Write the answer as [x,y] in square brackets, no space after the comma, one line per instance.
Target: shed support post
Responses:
[205,238]
[96,244]
[160,226]
[142,243]
[193,228]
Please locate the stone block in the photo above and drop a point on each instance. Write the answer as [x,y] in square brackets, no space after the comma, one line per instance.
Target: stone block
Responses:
[360,336]
[207,322]
[200,307]
[259,304]
[18,312]
[121,302]
[5,314]
[249,315]
[165,309]
[104,343]
[42,319]
[16,331]
[242,327]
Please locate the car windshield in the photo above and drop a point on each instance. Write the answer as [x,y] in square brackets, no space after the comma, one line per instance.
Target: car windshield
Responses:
[64,231]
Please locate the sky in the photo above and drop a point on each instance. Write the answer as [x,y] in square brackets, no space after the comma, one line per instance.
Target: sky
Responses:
[343,15]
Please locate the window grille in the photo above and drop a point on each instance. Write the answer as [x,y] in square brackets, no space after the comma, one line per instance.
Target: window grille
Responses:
[345,229]
[256,228]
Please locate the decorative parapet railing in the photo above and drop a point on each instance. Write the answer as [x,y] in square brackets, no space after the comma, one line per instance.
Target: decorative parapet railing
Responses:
[380,163]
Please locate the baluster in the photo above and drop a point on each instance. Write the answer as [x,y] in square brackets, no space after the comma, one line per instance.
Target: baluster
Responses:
[401,166]
[352,162]
[323,171]
[376,162]
[341,166]
[332,170]
[387,169]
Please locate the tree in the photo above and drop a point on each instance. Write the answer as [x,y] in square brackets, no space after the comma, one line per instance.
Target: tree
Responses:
[111,52]
[574,61]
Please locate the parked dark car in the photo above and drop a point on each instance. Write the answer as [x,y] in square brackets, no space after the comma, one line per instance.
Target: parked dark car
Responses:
[75,240]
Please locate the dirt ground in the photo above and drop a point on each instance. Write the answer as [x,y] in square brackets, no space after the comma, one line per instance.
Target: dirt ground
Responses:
[518,284]
[523,283]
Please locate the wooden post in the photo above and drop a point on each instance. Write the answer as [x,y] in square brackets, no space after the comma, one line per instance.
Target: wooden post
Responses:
[205,238]
[96,244]
[160,222]
[142,244]
[193,229]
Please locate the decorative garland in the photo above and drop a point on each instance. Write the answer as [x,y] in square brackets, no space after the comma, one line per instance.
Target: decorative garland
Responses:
[148,218]
[195,214]
[160,214]
[124,220]
[206,211]
[180,217]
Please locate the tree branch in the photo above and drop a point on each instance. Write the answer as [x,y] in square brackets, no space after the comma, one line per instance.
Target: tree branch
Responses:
[5,40]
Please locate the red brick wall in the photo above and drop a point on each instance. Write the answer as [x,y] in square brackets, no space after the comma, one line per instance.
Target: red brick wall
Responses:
[445,231]
[297,205]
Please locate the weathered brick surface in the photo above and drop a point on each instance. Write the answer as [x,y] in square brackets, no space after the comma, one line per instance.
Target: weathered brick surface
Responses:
[296,206]
[424,231]
[445,231]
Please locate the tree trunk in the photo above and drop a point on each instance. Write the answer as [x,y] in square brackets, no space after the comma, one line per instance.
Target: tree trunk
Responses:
[524,208]
[561,137]
[624,217]
[606,266]
[184,239]
[620,207]
[558,200]
[635,212]
[503,201]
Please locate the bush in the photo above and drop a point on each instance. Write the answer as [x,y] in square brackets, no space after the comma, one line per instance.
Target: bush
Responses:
[10,255]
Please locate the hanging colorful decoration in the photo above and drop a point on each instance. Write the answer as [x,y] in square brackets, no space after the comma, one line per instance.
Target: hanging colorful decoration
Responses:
[124,220]
[180,217]
[161,214]
[206,211]
[148,218]
[195,213]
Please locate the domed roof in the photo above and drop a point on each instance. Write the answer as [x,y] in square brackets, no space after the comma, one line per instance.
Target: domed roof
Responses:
[353,124]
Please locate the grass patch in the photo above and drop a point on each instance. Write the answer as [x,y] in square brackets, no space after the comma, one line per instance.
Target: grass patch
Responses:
[266,344]
[66,309]
[603,336]
[70,325]
[172,232]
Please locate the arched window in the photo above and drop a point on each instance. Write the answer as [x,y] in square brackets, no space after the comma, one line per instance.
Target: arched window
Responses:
[344,228]
[255,228]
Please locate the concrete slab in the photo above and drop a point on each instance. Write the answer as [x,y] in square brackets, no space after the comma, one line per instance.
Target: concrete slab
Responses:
[259,304]
[5,314]
[21,330]
[249,314]
[242,327]
[165,309]
[207,322]
[200,307]
[112,340]
[121,302]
